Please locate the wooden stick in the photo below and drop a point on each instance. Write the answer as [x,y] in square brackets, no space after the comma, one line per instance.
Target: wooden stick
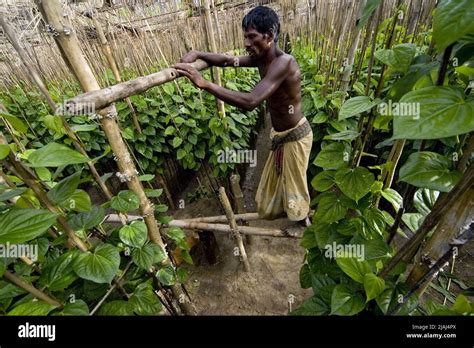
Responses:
[113,65]
[213,47]
[441,208]
[208,224]
[31,181]
[106,96]
[36,79]
[351,55]
[113,218]
[239,200]
[107,294]
[163,184]
[223,218]
[255,231]
[31,289]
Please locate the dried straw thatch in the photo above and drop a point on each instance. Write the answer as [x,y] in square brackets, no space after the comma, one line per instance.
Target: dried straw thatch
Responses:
[147,34]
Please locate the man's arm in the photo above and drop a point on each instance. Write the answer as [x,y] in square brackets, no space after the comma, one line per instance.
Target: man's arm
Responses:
[276,74]
[219,59]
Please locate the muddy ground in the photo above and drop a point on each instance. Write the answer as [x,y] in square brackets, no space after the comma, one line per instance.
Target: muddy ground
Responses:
[224,288]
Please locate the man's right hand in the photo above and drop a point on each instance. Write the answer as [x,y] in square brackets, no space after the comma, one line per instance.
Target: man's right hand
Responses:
[190,57]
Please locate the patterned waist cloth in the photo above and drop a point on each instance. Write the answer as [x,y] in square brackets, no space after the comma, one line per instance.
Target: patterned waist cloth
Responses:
[277,142]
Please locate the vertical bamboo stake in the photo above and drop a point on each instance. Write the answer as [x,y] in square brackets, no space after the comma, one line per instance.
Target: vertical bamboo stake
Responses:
[239,200]
[218,28]
[163,184]
[448,227]
[36,79]
[233,225]
[69,45]
[4,179]
[113,65]
[213,47]
[33,75]
[350,58]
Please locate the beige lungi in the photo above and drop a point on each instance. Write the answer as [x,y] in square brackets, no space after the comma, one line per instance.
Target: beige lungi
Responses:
[288,192]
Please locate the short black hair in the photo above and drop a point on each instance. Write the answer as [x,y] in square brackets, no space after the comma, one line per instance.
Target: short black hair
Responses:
[264,20]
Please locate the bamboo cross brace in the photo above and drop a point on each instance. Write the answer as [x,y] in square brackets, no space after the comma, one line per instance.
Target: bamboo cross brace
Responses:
[233,226]
[100,98]
[248,230]
[31,289]
[210,224]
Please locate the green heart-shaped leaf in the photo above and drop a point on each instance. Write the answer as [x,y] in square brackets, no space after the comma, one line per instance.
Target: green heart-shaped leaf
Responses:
[99,266]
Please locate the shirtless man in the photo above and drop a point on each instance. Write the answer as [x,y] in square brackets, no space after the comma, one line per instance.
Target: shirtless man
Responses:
[283,187]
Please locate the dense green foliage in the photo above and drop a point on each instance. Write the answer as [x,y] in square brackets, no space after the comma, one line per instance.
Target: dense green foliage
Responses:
[177,120]
[353,206]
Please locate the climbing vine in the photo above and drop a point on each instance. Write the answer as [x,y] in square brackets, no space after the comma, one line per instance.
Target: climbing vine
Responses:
[417,103]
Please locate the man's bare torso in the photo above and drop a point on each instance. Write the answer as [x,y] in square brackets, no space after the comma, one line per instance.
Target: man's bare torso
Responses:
[285,104]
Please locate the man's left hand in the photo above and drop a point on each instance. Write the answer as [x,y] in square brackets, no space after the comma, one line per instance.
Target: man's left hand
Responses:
[191,73]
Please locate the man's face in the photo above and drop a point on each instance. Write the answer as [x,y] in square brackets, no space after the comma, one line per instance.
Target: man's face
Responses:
[256,43]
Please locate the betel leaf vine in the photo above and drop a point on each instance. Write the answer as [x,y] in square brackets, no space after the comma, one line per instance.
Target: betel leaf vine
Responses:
[381,160]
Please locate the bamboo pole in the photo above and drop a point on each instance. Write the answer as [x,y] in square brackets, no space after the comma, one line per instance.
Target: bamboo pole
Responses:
[218,27]
[4,178]
[33,75]
[67,40]
[32,183]
[352,50]
[100,98]
[219,218]
[36,79]
[212,44]
[31,289]
[233,226]
[163,184]
[466,154]
[239,199]
[112,288]
[113,66]
[450,224]
[209,224]
[442,205]
[248,230]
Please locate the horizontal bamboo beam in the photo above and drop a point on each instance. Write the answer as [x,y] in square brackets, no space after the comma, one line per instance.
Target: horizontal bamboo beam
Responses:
[255,231]
[112,218]
[102,97]
[223,218]
[206,226]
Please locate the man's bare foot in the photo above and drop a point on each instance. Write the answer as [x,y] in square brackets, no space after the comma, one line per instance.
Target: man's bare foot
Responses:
[305,222]
[296,228]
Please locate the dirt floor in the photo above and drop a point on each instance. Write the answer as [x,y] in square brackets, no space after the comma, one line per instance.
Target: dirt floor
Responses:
[225,288]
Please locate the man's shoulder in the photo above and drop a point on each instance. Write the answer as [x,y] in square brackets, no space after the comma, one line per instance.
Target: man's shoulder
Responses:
[288,62]
[284,61]
[287,58]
